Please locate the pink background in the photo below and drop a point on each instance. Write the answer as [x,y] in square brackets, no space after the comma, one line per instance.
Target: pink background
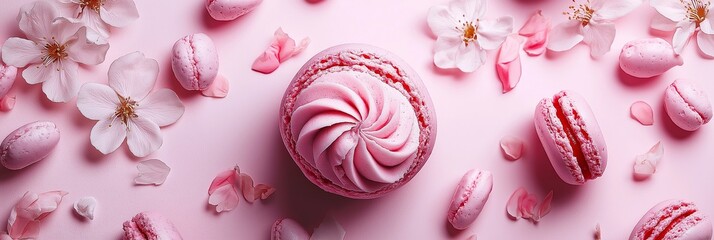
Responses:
[473,115]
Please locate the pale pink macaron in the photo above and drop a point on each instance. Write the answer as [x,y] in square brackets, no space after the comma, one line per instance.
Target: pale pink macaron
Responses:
[571,137]
[195,61]
[358,121]
[647,58]
[288,229]
[673,219]
[7,78]
[469,198]
[226,10]
[150,226]
[687,105]
[28,144]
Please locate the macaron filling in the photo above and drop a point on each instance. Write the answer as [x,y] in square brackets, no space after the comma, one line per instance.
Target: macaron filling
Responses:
[570,132]
[670,221]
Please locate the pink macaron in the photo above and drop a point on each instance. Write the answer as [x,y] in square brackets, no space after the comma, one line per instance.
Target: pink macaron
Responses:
[28,144]
[150,226]
[288,229]
[226,10]
[571,137]
[469,198]
[195,61]
[358,121]
[7,78]
[647,58]
[673,219]
[687,105]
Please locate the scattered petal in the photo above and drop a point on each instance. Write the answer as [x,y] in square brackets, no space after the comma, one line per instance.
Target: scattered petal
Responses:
[225,198]
[521,204]
[646,164]
[7,103]
[508,64]
[226,187]
[527,205]
[512,207]
[152,171]
[642,112]
[565,36]
[85,207]
[599,37]
[512,147]
[329,229]
[281,48]
[544,208]
[219,88]
[263,191]
[224,178]
[536,29]
[25,217]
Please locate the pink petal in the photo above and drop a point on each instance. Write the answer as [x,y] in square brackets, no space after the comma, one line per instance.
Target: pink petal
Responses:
[64,30]
[85,207]
[682,35]
[508,64]
[93,21]
[441,21]
[267,62]
[662,23]
[133,75]
[5,236]
[39,73]
[64,87]
[36,19]
[143,136]
[469,58]
[284,43]
[163,107]
[119,13]
[86,51]
[670,9]
[491,33]
[646,164]
[513,204]
[565,36]
[152,171]
[97,101]
[544,208]
[329,229]
[7,103]
[512,147]
[535,45]
[263,191]
[25,229]
[446,50]
[218,89]
[225,198]
[611,10]
[281,48]
[527,205]
[45,204]
[301,47]
[8,74]
[599,37]
[227,177]
[247,187]
[537,23]
[642,112]
[706,43]
[107,135]
[19,52]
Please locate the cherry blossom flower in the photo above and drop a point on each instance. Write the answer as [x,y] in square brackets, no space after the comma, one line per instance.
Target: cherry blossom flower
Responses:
[52,50]
[463,36]
[100,14]
[685,18]
[126,109]
[25,217]
[591,22]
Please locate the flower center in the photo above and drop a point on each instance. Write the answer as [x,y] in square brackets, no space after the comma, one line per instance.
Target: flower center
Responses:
[125,110]
[696,10]
[53,52]
[91,4]
[582,12]
[469,30]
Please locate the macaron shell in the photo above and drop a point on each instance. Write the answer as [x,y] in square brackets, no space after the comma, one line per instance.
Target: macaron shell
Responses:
[556,144]
[700,230]
[195,61]
[7,78]
[687,106]
[227,10]
[152,226]
[28,144]
[288,229]
[647,58]
[594,147]
[469,198]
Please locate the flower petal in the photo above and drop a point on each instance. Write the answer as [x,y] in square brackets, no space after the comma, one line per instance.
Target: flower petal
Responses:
[535,45]
[85,207]
[118,13]
[66,86]
[681,37]
[446,50]
[442,22]
[535,24]
[508,63]
[107,135]
[544,208]
[36,19]
[642,112]
[263,191]
[599,37]
[227,177]
[47,203]
[492,33]
[97,101]
[662,23]
[706,43]
[218,89]
[512,147]
[512,206]
[162,107]
[469,58]
[93,21]
[527,206]
[152,171]
[646,164]
[225,198]
[611,10]
[38,73]
[143,136]
[267,62]
[707,25]
[133,75]
[84,50]
[64,30]
[19,52]
[565,36]
[7,103]
[672,9]
[329,229]
[247,188]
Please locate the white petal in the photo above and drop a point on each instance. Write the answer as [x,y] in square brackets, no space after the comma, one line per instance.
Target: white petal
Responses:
[706,43]
[611,10]
[662,23]
[329,229]
[682,35]
[143,136]
[152,171]
[492,33]
[225,198]
[66,86]
[118,13]
[646,164]
[474,9]
[63,30]
[707,25]
[85,207]
[442,22]
[469,58]
[92,20]
[565,36]
[97,101]
[162,107]
[38,73]
[599,37]
[133,75]
[20,52]
[672,9]
[83,50]
[445,51]
[107,135]
[35,19]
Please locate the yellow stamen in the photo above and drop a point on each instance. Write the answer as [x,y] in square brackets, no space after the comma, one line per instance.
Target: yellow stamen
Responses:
[469,30]
[91,4]
[53,52]
[696,10]
[125,110]
[580,12]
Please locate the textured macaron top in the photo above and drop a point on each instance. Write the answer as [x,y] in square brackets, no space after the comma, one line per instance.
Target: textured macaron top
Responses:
[358,121]
[673,219]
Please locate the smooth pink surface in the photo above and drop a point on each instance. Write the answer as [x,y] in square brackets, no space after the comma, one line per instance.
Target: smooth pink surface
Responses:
[150,225]
[687,105]
[195,61]
[469,198]
[216,134]
[28,144]
[673,219]
[646,58]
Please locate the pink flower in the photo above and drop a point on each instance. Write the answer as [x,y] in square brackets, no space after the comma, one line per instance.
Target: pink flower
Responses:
[508,63]
[521,204]
[281,48]
[592,23]
[25,217]
[98,14]
[536,29]
[126,109]
[686,18]
[462,36]
[225,188]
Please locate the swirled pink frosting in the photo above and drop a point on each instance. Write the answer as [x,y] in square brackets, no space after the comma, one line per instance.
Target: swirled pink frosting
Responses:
[356,130]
